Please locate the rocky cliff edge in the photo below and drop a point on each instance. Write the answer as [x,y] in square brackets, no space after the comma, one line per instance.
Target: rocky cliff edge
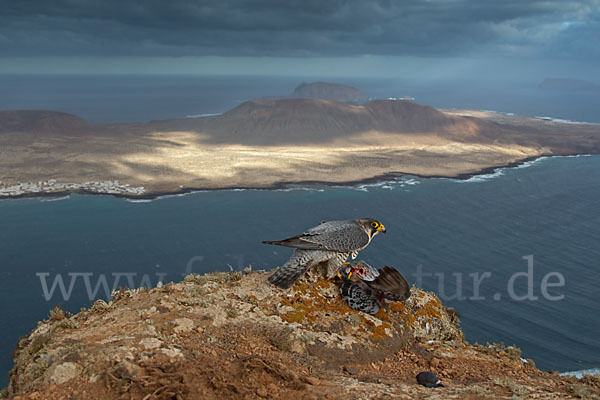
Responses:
[229,335]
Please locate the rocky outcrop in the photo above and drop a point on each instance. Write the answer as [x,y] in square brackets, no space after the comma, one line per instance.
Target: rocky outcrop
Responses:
[228,335]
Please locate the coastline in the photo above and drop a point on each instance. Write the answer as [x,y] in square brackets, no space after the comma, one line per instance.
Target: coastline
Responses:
[285,185]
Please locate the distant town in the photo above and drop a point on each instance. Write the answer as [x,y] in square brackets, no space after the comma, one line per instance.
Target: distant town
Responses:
[51,186]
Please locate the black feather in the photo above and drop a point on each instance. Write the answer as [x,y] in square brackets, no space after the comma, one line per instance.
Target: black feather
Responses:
[390,284]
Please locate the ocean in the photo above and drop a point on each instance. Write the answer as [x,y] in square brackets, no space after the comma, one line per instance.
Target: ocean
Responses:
[125,98]
[529,235]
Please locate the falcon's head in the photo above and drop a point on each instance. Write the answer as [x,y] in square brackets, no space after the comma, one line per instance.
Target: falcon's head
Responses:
[372,226]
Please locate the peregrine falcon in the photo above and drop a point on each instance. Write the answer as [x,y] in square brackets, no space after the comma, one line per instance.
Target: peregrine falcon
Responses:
[368,295]
[331,241]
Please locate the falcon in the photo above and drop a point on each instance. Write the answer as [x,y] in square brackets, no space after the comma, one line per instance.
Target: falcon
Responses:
[331,241]
[370,294]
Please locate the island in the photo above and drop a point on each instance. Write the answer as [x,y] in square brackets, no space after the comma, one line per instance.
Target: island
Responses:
[270,143]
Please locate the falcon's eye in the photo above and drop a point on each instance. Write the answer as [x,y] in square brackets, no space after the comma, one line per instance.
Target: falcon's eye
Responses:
[374,224]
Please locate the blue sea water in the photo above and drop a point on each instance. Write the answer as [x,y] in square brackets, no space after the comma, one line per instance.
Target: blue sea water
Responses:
[549,209]
[129,98]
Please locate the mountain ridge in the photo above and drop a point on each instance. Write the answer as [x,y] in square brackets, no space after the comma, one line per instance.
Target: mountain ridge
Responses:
[303,121]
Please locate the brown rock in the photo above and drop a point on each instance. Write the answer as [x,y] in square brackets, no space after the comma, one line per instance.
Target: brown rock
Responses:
[183,325]
[311,380]
[130,371]
[350,370]
[272,388]
[62,372]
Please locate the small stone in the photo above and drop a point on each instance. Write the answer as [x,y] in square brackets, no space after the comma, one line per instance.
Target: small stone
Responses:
[262,392]
[311,380]
[172,352]
[350,370]
[62,372]
[272,388]
[130,371]
[183,325]
[199,329]
[502,353]
[150,343]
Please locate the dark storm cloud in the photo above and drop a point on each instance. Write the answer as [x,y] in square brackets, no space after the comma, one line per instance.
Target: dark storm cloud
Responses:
[296,28]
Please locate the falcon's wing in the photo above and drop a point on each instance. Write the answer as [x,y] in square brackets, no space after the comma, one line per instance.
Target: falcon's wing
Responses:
[390,284]
[342,236]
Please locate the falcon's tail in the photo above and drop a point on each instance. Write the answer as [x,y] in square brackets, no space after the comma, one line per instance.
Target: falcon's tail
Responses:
[289,273]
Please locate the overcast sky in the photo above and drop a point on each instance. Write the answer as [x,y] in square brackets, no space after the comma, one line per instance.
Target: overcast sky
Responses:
[305,37]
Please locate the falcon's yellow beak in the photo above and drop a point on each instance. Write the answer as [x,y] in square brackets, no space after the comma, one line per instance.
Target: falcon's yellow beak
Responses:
[381,228]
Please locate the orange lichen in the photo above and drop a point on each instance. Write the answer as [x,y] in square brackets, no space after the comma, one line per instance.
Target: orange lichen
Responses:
[429,309]
[308,302]
[293,317]
[379,332]
[382,315]
[307,305]
[398,307]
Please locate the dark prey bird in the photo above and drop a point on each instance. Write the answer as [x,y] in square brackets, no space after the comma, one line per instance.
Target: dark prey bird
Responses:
[362,270]
[370,295]
[332,242]
[429,379]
